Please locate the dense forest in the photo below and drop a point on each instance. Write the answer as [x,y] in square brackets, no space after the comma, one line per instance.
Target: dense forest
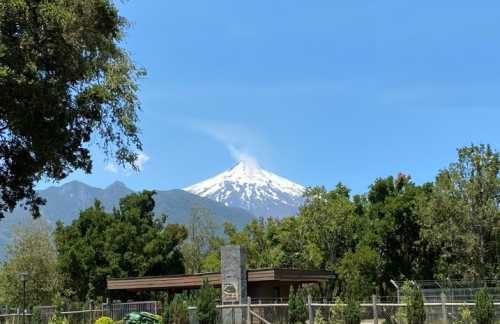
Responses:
[445,229]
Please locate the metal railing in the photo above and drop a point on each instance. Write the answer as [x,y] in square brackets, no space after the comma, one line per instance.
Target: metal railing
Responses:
[116,311]
[374,312]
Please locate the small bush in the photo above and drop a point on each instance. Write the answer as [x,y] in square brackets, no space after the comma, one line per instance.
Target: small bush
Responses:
[415,311]
[178,310]
[484,311]
[297,309]
[36,317]
[337,312]
[352,312]
[318,318]
[464,315]
[104,320]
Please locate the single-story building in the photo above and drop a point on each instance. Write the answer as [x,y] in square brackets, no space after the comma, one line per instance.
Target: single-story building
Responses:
[235,281]
[261,283]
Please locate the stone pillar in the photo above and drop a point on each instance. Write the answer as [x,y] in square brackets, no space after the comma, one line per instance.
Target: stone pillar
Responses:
[234,283]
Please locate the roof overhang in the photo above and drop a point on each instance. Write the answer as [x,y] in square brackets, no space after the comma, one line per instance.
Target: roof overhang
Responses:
[214,278]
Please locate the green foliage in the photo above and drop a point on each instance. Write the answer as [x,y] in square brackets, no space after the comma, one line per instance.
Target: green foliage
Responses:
[57,317]
[297,309]
[446,229]
[201,249]
[337,312]
[64,80]
[484,310]
[318,318]
[206,304]
[104,320]
[357,270]
[352,312]
[260,239]
[36,316]
[31,251]
[464,315]
[177,311]
[415,311]
[329,224]
[461,220]
[131,241]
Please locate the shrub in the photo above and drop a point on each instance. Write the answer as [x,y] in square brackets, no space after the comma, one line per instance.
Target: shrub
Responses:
[206,304]
[352,312]
[36,317]
[104,320]
[178,310]
[415,311]
[297,309]
[484,311]
[318,318]
[58,318]
[337,312]
[464,315]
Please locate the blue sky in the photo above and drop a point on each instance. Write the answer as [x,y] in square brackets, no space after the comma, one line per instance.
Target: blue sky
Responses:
[316,91]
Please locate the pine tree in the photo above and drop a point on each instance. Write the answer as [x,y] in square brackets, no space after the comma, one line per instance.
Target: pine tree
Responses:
[297,309]
[352,313]
[205,303]
[415,311]
[484,312]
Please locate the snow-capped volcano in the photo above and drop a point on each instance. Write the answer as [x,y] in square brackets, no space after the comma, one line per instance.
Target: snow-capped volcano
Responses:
[248,186]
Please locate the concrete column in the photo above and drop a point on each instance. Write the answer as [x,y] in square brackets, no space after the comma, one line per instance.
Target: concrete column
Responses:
[310,309]
[234,283]
[443,308]
[375,313]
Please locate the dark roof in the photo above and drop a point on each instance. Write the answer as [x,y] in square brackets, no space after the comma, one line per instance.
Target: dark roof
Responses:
[214,278]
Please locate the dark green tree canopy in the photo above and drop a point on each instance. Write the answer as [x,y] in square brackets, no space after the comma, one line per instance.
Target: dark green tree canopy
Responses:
[130,241]
[63,80]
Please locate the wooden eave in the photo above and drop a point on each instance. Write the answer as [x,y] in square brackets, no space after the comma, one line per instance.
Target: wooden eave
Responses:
[214,278]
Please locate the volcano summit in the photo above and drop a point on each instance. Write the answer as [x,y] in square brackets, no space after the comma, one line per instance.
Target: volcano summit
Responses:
[250,187]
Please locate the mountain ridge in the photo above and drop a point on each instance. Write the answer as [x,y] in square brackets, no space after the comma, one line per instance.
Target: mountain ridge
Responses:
[65,202]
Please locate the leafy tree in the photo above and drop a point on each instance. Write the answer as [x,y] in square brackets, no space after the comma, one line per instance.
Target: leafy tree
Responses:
[484,311]
[261,240]
[201,240]
[393,229]
[64,80]
[206,304]
[415,311]
[330,223]
[131,241]
[461,220]
[31,251]
[297,309]
[357,272]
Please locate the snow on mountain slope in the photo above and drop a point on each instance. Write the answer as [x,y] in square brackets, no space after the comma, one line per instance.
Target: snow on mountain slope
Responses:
[248,186]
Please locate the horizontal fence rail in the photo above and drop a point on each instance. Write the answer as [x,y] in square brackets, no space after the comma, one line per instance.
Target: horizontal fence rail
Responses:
[254,313]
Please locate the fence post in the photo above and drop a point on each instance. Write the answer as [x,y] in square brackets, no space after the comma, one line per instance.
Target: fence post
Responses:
[249,302]
[310,309]
[443,307]
[375,314]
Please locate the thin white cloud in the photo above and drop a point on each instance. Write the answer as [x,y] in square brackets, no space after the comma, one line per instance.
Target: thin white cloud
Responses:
[142,158]
[243,143]
[111,167]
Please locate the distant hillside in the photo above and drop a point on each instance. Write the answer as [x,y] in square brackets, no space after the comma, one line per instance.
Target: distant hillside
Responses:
[65,203]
